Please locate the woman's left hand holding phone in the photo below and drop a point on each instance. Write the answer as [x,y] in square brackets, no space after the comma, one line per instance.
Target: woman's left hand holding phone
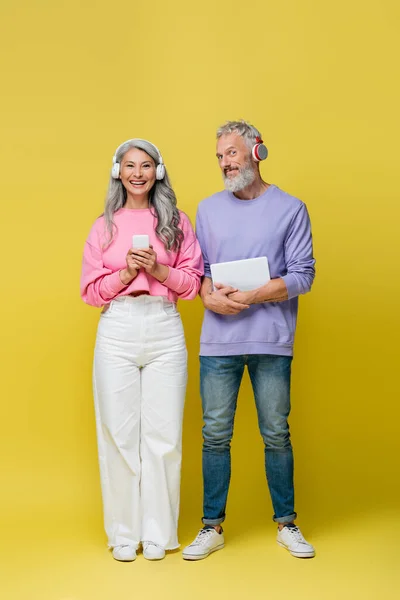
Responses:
[131,270]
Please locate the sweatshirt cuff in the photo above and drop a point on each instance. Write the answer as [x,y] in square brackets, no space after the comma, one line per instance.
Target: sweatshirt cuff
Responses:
[291,285]
[112,285]
[175,280]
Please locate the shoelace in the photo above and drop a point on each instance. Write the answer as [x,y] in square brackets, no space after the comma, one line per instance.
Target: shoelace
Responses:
[296,534]
[202,537]
[147,544]
[122,547]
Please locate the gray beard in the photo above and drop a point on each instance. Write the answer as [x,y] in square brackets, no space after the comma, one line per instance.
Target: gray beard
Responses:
[245,177]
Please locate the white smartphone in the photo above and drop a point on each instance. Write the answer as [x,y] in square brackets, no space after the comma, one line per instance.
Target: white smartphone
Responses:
[140,241]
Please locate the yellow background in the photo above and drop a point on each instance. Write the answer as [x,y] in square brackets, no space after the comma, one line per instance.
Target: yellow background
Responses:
[320,80]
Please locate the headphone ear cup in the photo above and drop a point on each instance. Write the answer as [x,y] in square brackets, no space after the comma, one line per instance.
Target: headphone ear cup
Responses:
[259,152]
[160,171]
[115,171]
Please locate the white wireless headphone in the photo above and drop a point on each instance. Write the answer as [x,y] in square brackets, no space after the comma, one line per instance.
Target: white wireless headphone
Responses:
[259,151]
[160,169]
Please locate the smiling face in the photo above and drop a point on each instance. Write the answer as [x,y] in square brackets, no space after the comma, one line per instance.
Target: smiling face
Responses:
[137,173]
[234,159]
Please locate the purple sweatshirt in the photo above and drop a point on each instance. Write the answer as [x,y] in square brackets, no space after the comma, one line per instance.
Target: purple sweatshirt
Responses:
[275,225]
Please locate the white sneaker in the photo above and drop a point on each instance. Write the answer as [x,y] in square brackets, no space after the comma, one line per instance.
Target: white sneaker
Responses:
[152,551]
[124,553]
[207,541]
[291,538]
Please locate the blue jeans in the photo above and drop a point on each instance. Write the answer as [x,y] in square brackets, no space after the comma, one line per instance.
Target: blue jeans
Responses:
[220,378]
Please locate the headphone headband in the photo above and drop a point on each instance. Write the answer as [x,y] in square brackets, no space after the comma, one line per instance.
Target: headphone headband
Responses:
[137,140]
[160,168]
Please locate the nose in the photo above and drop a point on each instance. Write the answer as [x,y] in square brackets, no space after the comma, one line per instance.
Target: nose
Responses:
[224,162]
[137,172]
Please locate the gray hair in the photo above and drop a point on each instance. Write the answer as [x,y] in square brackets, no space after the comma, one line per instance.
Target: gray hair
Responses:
[247,131]
[162,200]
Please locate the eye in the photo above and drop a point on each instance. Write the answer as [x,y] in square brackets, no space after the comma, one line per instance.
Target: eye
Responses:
[233,152]
[147,166]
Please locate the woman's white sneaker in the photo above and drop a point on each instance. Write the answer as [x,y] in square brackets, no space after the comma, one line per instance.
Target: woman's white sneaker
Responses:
[207,540]
[152,551]
[124,553]
[291,538]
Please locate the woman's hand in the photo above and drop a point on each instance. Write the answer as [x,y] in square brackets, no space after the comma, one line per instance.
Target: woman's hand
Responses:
[132,268]
[146,258]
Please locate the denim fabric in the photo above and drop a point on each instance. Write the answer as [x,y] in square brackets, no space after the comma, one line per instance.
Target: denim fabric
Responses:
[220,378]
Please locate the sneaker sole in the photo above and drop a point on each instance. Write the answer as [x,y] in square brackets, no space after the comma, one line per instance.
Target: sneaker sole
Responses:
[201,556]
[153,557]
[297,554]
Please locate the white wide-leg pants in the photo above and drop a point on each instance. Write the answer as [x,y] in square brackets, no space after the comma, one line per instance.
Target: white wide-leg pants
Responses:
[140,374]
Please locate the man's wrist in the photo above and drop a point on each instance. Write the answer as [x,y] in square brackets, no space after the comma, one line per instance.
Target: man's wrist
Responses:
[252,297]
[205,297]
[273,291]
[205,300]
[206,290]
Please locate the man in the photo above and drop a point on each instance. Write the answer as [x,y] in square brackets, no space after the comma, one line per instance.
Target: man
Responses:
[250,218]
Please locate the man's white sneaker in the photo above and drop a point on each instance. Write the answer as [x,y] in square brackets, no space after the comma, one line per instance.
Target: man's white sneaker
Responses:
[152,551]
[207,541]
[124,553]
[291,538]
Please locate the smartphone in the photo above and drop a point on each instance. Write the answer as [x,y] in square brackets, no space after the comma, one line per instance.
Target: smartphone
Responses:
[140,241]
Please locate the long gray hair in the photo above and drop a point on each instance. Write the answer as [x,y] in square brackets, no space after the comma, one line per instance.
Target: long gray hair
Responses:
[162,200]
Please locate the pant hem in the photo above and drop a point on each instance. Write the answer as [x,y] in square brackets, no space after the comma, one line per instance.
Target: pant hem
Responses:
[166,548]
[131,544]
[213,521]
[136,546]
[287,519]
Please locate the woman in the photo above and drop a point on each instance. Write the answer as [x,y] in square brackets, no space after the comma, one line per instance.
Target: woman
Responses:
[140,355]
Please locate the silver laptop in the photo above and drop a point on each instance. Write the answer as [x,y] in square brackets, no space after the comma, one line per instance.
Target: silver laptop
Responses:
[244,275]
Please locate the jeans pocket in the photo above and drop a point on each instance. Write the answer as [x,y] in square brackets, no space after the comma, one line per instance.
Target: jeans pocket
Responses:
[169,308]
[106,310]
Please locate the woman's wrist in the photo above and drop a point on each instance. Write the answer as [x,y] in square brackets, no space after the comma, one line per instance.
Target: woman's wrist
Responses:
[161,273]
[126,277]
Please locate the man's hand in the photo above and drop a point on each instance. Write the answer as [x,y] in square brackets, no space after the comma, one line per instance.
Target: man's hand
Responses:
[219,302]
[243,297]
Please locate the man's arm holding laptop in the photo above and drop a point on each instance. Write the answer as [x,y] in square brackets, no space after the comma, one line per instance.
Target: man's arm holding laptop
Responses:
[218,300]
[299,262]
[273,291]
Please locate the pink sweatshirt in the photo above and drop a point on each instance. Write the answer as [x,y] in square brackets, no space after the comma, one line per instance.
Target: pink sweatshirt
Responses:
[100,280]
